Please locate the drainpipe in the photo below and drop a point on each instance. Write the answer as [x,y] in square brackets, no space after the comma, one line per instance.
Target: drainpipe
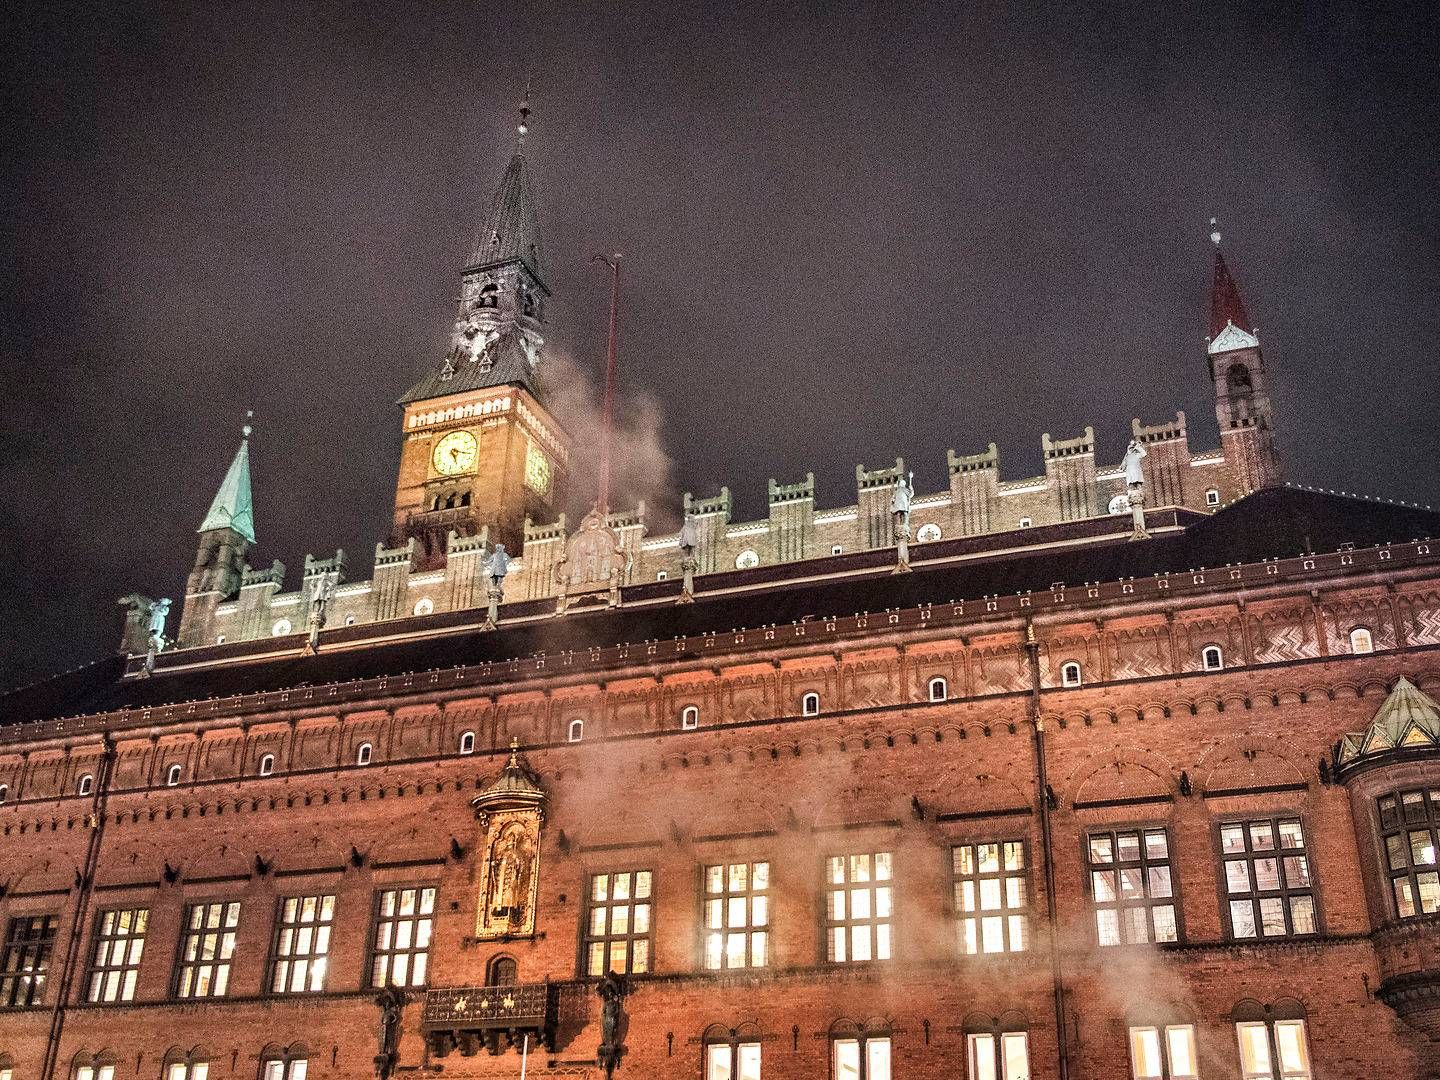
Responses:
[84,893]
[1042,784]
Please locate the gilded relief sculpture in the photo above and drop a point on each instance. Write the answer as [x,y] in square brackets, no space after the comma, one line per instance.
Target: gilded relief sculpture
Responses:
[511,812]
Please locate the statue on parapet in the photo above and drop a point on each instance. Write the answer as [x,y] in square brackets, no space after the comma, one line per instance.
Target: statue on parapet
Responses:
[1135,454]
[900,514]
[689,544]
[322,591]
[495,569]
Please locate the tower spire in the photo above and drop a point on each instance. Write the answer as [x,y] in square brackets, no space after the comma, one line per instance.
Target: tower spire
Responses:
[232,507]
[1230,326]
[523,127]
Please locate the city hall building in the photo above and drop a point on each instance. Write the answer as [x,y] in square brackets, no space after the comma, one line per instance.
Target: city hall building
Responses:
[1125,770]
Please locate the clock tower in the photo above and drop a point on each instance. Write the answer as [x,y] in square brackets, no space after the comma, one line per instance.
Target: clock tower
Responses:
[480,448]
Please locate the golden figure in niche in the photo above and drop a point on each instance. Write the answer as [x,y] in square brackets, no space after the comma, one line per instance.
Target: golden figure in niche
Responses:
[511,812]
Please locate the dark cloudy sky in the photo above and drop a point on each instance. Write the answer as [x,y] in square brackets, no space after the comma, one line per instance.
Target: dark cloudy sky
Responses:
[853,231]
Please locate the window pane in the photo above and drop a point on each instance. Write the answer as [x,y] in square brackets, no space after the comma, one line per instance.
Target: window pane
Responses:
[1145,1053]
[847,1059]
[981,1051]
[717,1063]
[1254,1050]
[1290,1041]
[749,1061]
[877,1054]
[1180,1041]
[1015,1050]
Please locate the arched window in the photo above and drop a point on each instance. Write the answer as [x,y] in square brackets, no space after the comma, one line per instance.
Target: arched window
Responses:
[93,1066]
[349,620]
[219,640]
[7,1067]
[997,1047]
[810,704]
[4,797]
[284,1062]
[1361,640]
[364,753]
[465,499]
[182,1066]
[267,764]
[502,971]
[172,776]
[1272,1038]
[489,295]
[86,785]
[939,689]
[1238,378]
[577,730]
[732,1053]
[1070,674]
[1162,1045]
[860,1051]
[690,717]
[467,742]
[1212,658]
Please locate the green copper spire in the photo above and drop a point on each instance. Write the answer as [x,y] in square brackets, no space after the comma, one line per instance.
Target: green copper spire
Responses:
[232,508]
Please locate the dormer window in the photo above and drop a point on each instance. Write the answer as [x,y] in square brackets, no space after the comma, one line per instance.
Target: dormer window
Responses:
[172,776]
[364,754]
[1070,674]
[467,742]
[810,705]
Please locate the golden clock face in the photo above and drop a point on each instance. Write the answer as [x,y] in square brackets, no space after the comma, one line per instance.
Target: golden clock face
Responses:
[455,453]
[537,470]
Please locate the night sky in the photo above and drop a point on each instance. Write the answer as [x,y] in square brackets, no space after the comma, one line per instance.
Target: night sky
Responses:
[882,231]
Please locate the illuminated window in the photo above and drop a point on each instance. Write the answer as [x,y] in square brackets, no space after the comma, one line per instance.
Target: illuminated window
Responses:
[172,776]
[267,764]
[1410,829]
[997,1055]
[1131,887]
[939,691]
[577,730]
[617,930]
[86,785]
[1163,1052]
[1212,497]
[467,742]
[280,628]
[1361,640]
[404,919]
[810,705]
[1070,674]
[690,717]
[537,470]
[95,1068]
[207,945]
[424,606]
[732,1061]
[29,945]
[928,533]
[364,754]
[992,902]
[119,943]
[858,907]
[866,1057]
[181,1066]
[747,560]
[287,1064]
[737,914]
[1212,658]
[302,944]
[1273,1047]
[1267,878]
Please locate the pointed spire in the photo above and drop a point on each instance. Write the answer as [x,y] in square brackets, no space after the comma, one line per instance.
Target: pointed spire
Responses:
[232,507]
[1230,326]
[509,232]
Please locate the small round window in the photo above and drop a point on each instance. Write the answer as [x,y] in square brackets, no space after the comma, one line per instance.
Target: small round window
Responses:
[928,533]
[281,628]
[747,559]
[424,606]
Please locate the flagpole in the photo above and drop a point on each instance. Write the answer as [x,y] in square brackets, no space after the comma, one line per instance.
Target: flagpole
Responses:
[524,1055]
[613,262]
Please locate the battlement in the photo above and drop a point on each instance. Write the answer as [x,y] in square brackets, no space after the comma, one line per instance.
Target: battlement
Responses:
[988,459]
[785,493]
[1062,448]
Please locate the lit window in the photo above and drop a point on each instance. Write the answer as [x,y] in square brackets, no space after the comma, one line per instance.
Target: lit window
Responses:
[1163,1053]
[863,1058]
[1410,829]
[284,1065]
[6,1069]
[280,628]
[810,705]
[991,899]
[617,931]
[172,776]
[1361,640]
[267,764]
[364,754]
[858,907]
[1212,497]
[577,730]
[939,691]
[1273,1050]
[837,549]
[467,742]
[119,943]
[1070,674]
[206,948]
[732,1061]
[404,919]
[1267,878]
[95,1070]
[737,913]
[185,1068]
[746,560]
[29,945]
[928,533]
[998,1055]
[1025,523]
[690,717]
[302,944]
[86,785]
[1131,887]
[424,606]
[1212,658]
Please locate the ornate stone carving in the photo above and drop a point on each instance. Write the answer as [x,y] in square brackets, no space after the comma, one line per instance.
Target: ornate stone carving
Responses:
[511,812]
[592,567]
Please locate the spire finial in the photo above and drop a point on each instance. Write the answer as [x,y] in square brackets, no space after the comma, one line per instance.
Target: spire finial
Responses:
[246,428]
[523,127]
[1214,232]
[514,752]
